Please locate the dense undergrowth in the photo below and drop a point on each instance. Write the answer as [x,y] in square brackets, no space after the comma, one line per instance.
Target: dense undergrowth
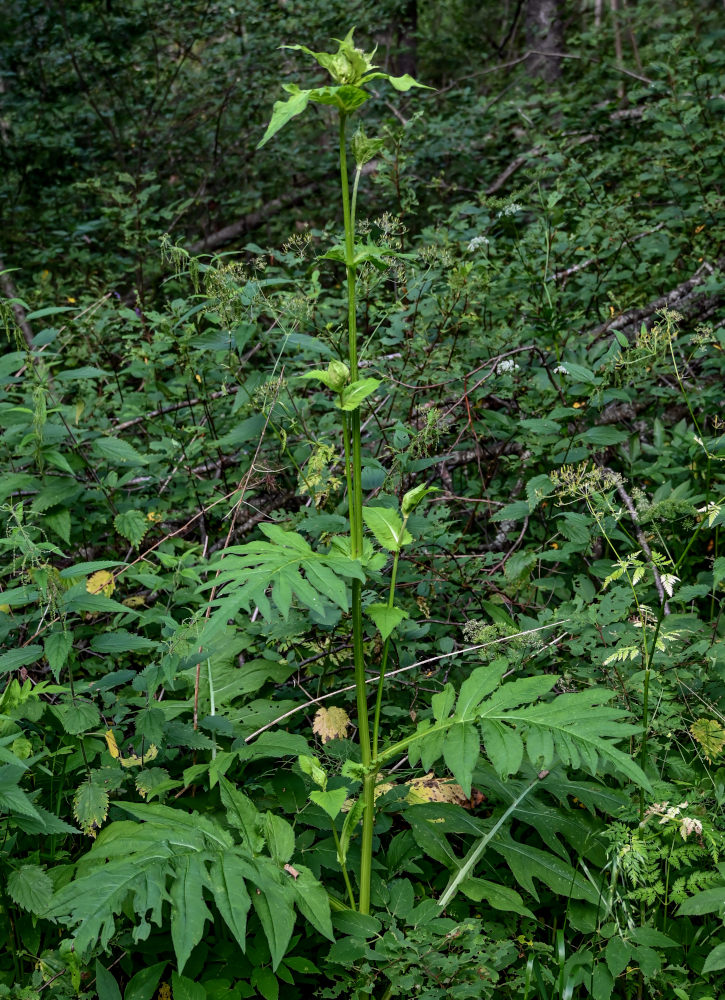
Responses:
[186,798]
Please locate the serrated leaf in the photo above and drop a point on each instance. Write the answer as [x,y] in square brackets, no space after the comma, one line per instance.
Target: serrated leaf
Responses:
[189,912]
[226,881]
[90,807]
[30,887]
[279,836]
[248,571]
[77,717]
[386,619]
[57,646]
[14,659]
[331,723]
[312,901]
[504,747]
[460,752]
[711,737]
[132,525]
[387,526]
[242,815]
[119,452]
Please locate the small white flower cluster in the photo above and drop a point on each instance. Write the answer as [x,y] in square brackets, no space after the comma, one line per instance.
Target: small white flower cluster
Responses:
[511,209]
[476,242]
[687,824]
[560,370]
[506,366]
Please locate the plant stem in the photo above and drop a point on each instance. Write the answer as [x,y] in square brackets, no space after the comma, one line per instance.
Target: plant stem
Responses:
[348,886]
[384,661]
[356,539]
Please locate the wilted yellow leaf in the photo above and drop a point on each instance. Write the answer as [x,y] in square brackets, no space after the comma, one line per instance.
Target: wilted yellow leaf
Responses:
[331,723]
[135,601]
[112,745]
[133,760]
[711,737]
[101,582]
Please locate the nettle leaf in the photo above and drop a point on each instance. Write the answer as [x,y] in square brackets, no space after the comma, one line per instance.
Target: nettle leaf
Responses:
[132,524]
[90,807]
[57,646]
[388,527]
[253,573]
[30,887]
[386,619]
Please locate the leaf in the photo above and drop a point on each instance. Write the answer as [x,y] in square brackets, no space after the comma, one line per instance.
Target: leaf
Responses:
[226,881]
[119,452]
[528,863]
[57,646]
[143,985]
[77,717]
[106,985]
[274,908]
[265,982]
[715,960]
[386,619]
[428,788]
[242,815]
[121,641]
[14,659]
[283,112]
[504,747]
[30,887]
[460,753]
[90,807]
[414,496]
[280,838]
[707,901]
[248,571]
[312,901]
[711,737]
[331,723]
[189,912]
[387,527]
[186,989]
[101,582]
[133,525]
[332,801]
[352,395]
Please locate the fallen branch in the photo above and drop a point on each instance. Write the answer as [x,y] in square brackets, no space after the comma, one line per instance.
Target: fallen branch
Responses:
[686,298]
[249,222]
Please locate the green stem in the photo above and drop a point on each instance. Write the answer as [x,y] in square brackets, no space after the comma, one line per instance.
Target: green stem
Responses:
[356,537]
[384,661]
[348,886]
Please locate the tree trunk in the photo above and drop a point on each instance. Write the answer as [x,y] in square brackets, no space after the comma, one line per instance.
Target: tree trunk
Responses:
[545,38]
[404,56]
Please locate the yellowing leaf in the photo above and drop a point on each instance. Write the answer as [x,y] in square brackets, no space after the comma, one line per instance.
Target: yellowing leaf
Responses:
[135,601]
[711,737]
[112,745]
[331,723]
[431,789]
[133,760]
[101,582]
